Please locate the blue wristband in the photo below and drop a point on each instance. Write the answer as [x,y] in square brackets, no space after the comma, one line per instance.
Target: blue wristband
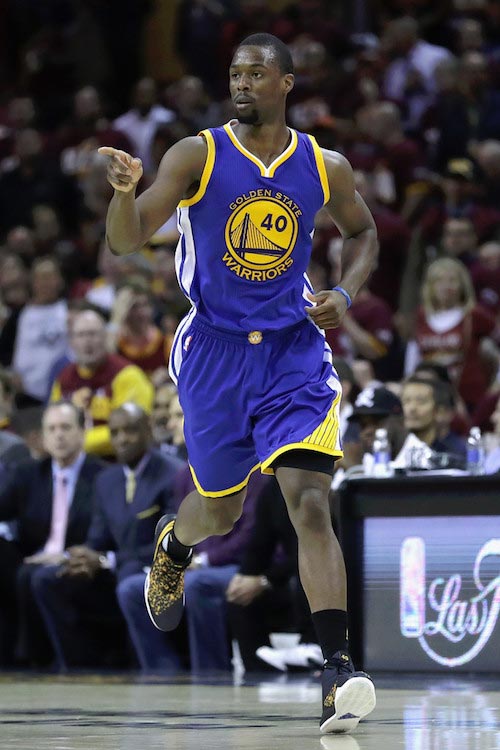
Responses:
[344,294]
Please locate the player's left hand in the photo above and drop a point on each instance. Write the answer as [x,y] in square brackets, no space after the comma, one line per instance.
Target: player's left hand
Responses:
[329,309]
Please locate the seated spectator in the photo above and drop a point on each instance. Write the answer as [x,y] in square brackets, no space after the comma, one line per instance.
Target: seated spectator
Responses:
[160,417]
[51,501]
[394,239]
[98,382]
[19,114]
[133,333]
[464,110]
[487,155]
[86,130]
[453,414]
[113,270]
[74,306]
[422,402]
[41,331]
[175,426]
[101,291]
[459,240]
[413,67]
[370,334]
[456,193]
[35,179]
[450,329]
[20,242]
[195,111]
[141,121]
[129,499]
[386,152]
[374,407]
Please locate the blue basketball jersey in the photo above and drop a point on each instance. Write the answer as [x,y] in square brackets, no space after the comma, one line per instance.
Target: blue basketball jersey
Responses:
[246,234]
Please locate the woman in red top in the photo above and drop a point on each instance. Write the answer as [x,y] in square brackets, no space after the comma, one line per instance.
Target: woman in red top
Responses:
[451,329]
[133,333]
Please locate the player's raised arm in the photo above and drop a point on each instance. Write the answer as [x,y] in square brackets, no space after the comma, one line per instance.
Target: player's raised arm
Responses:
[131,221]
[360,248]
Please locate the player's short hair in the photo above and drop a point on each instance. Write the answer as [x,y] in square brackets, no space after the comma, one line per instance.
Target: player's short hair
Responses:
[79,414]
[280,51]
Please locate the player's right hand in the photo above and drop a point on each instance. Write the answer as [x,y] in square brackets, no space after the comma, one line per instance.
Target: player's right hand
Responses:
[124,171]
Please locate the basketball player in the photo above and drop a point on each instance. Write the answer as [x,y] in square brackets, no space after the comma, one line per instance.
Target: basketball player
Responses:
[254,373]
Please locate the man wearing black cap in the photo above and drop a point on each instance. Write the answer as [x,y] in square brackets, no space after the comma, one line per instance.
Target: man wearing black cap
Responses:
[374,407]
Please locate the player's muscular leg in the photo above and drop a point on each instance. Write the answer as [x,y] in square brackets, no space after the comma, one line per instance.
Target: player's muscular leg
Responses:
[200,517]
[321,563]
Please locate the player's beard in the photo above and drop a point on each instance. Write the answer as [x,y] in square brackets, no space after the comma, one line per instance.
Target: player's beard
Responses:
[251,118]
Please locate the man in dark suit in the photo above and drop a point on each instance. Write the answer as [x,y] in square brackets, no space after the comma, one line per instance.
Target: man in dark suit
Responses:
[51,502]
[130,497]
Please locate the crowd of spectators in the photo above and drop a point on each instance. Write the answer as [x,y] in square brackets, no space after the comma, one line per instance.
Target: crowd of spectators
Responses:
[412,98]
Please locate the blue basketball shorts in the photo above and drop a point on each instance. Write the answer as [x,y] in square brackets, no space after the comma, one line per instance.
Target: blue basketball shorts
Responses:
[248,398]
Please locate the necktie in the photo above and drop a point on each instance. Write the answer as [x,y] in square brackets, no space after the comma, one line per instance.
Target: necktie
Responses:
[57,537]
[130,487]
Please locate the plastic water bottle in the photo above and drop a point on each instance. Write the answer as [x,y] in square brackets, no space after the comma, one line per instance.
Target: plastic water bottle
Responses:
[381,454]
[475,452]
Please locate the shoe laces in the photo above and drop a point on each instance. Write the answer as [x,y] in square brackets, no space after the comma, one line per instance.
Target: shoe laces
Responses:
[339,664]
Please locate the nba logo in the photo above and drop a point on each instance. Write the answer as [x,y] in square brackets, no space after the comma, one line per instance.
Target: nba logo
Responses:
[412,592]
[187,342]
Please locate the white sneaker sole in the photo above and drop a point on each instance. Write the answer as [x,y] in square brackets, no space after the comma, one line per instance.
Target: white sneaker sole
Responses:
[354,700]
[146,590]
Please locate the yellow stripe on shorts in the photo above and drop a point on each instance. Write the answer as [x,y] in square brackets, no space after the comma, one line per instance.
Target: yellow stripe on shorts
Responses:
[326,434]
[324,439]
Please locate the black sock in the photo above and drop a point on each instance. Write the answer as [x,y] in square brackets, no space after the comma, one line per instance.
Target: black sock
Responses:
[178,552]
[331,629]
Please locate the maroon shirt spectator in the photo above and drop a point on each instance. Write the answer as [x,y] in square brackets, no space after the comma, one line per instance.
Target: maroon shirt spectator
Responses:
[458,196]
[366,331]
[79,138]
[384,146]
[394,239]
[35,179]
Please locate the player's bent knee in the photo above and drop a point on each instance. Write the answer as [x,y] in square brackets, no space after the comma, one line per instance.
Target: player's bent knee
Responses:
[311,511]
[223,512]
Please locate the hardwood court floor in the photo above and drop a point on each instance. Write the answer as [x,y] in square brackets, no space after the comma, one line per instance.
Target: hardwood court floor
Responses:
[84,712]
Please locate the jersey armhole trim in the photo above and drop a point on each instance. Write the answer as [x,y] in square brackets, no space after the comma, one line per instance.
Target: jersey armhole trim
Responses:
[320,164]
[207,171]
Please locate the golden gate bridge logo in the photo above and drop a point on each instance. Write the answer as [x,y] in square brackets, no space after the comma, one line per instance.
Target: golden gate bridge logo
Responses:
[261,233]
[247,238]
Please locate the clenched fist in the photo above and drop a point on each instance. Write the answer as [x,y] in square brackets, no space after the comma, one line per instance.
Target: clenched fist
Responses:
[124,171]
[329,308]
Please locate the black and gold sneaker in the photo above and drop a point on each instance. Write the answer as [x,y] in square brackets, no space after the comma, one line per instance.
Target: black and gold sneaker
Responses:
[348,695]
[164,585]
